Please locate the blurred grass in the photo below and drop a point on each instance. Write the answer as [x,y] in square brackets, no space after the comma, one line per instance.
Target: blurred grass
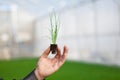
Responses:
[19,68]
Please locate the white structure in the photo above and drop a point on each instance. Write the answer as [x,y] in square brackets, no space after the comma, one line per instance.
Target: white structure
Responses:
[91,28]
[16,29]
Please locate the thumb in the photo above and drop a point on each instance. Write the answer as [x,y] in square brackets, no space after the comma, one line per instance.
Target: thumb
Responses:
[46,52]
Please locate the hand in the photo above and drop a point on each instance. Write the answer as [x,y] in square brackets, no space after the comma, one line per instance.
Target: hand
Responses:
[47,66]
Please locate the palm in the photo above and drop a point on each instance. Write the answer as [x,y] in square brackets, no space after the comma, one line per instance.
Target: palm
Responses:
[48,66]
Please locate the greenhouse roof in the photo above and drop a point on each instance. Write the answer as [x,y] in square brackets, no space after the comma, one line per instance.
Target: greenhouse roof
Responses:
[38,7]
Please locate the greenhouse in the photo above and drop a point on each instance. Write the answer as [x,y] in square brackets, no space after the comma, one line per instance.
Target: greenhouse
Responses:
[90,29]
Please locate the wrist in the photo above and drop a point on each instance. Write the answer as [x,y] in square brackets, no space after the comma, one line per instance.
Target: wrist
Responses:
[38,75]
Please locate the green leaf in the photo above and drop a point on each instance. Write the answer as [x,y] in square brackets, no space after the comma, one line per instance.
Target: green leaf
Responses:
[55,25]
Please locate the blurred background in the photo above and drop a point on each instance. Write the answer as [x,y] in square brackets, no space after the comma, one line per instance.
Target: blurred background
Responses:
[90,28]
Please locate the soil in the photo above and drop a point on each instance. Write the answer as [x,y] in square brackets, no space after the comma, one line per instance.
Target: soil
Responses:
[53,48]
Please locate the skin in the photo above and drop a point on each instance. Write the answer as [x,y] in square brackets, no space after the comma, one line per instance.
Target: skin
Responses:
[47,66]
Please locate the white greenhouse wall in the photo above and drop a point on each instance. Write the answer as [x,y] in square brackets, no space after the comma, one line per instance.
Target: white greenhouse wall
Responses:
[91,30]
[16,28]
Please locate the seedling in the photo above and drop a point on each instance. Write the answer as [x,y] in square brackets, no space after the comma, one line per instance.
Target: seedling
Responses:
[55,25]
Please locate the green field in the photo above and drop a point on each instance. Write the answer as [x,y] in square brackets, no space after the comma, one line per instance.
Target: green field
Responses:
[70,70]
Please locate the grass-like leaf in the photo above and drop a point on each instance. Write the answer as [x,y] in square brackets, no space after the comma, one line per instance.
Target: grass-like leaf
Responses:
[55,25]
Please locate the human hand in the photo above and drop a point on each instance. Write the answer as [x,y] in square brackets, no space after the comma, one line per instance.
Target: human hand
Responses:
[47,66]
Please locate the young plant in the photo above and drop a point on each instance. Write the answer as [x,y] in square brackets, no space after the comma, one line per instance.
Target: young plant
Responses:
[55,25]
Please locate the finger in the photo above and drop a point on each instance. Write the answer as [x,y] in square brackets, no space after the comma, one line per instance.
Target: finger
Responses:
[58,55]
[65,52]
[46,52]
[58,50]
[64,56]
